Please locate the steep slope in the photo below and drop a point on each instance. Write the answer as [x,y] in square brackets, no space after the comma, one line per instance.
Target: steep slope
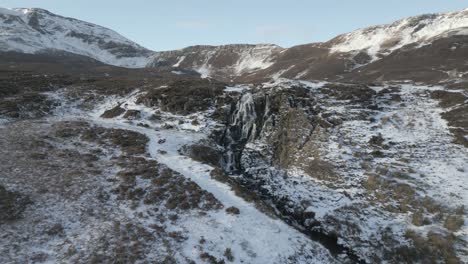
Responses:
[426,48]
[429,46]
[223,62]
[307,62]
[34,30]
[441,61]
[418,31]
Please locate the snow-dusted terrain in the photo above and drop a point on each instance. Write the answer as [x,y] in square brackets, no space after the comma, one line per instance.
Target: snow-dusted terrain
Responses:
[418,31]
[231,61]
[420,154]
[227,60]
[373,162]
[374,191]
[253,236]
[417,158]
[216,156]
[32,30]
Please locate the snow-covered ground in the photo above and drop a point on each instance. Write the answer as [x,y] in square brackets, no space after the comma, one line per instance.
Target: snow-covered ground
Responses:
[440,165]
[418,154]
[420,151]
[417,140]
[419,134]
[252,236]
[249,234]
[3,121]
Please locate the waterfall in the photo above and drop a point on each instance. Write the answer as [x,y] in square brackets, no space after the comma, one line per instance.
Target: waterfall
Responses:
[240,130]
[244,117]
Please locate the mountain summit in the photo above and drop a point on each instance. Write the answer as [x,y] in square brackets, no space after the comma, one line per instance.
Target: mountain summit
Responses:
[34,30]
[414,32]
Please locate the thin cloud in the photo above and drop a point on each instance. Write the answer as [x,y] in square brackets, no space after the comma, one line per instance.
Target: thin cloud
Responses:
[195,25]
[280,33]
[271,30]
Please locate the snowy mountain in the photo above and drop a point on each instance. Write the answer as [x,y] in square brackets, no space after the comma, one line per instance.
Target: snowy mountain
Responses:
[412,32]
[34,30]
[361,53]
[225,62]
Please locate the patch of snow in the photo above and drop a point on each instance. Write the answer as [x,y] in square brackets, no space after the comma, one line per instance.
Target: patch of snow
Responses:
[204,71]
[177,64]
[313,85]
[377,89]
[257,58]
[237,88]
[3,121]
[288,83]
[278,74]
[301,74]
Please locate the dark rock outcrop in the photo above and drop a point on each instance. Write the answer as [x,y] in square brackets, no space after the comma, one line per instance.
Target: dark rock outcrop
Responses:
[12,204]
[184,97]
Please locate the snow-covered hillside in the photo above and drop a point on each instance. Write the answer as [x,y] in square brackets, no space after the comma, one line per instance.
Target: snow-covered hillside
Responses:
[330,59]
[418,30]
[33,30]
[226,60]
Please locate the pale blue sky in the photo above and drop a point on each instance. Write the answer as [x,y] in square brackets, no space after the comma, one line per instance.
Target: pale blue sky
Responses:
[173,24]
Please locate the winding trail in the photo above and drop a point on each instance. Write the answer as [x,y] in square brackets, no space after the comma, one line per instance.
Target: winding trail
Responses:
[253,236]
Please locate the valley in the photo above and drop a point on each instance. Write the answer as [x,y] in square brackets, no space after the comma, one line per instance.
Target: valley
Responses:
[334,152]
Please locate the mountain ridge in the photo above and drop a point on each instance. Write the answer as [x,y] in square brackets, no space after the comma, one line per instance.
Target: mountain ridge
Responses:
[349,56]
[356,55]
